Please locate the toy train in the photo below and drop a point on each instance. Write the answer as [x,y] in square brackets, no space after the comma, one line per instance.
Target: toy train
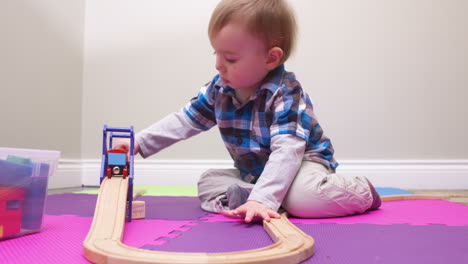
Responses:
[117,163]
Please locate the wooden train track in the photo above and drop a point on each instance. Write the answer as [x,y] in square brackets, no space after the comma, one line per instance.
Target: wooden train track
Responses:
[103,244]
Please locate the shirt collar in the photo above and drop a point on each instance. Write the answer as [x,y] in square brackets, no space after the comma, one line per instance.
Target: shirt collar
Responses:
[271,82]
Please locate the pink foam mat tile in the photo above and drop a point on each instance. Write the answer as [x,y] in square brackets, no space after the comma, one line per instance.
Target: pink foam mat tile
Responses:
[412,212]
[61,239]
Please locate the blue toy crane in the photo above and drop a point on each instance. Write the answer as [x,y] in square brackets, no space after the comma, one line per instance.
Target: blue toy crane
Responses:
[114,163]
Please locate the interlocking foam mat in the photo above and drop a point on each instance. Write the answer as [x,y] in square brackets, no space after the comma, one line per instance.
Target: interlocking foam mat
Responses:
[410,231]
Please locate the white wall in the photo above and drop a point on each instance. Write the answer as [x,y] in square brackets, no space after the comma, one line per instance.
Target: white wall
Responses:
[41,60]
[388,78]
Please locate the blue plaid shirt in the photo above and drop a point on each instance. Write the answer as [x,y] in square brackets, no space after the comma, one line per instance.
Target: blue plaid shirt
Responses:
[280,106]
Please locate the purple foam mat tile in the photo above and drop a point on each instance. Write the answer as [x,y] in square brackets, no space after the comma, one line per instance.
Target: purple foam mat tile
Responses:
[173,207]
[215,237]
[71,204]
[334,243]
[157,207]
[402,244]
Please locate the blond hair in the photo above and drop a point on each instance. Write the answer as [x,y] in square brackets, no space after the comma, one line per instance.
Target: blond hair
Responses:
[272,20]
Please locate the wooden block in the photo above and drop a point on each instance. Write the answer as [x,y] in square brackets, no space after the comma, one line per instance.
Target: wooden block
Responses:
[137,193]
[138,209]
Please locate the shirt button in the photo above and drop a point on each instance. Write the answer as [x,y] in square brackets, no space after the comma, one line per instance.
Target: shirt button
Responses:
[240,113]
[239,141]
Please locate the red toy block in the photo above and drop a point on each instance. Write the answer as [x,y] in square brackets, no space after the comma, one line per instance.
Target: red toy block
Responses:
[11,210]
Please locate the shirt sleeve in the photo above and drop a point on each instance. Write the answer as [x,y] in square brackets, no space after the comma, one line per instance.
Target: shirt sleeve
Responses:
[197,116]
[280,170]
[169,130]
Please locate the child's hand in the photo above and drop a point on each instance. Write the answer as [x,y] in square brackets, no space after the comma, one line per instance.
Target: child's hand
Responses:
[251,210]
[124,144]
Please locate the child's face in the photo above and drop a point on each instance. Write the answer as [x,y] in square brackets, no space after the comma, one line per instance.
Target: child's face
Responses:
[241,58]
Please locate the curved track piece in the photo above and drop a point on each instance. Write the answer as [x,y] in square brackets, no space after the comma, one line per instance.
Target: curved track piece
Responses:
[103,244]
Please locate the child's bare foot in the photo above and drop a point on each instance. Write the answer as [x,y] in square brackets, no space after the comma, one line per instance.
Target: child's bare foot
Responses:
[376,201]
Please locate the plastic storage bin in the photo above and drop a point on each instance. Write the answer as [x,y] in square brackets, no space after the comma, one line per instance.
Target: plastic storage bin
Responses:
[24,174]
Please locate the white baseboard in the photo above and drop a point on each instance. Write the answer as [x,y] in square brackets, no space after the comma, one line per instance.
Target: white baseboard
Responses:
[411,174]
[406,174]
[68,174]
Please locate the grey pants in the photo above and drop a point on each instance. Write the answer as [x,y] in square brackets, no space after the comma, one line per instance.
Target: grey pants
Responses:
[314,193]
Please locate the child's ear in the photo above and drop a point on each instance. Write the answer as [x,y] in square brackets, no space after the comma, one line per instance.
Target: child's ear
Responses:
[274,58]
